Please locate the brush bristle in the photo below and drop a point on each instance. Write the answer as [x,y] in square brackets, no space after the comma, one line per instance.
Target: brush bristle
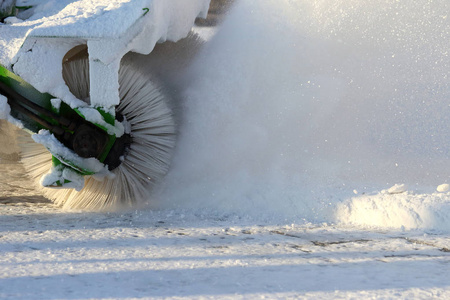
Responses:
[9,150]
[147,161]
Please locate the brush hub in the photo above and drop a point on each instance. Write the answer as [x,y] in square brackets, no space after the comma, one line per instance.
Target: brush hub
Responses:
[88,141]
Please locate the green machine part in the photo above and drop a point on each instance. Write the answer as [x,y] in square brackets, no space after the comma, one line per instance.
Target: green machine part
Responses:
[39,107]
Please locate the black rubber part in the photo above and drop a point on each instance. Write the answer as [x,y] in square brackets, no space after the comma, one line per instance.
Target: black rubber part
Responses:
[118,151]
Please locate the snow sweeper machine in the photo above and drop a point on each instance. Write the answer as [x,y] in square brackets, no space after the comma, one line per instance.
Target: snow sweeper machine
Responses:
[100,133]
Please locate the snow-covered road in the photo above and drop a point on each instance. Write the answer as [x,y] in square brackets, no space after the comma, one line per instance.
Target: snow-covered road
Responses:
[47,253]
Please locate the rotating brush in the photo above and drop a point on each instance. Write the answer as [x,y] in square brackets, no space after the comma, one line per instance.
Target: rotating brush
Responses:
[149,121]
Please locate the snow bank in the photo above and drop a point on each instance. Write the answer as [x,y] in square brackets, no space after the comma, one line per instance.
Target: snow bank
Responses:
[295,104]
[403,211]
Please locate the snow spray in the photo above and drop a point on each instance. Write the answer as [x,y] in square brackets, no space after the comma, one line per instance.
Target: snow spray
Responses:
[295,106]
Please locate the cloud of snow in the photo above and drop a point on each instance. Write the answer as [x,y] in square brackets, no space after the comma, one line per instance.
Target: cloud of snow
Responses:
[293,105]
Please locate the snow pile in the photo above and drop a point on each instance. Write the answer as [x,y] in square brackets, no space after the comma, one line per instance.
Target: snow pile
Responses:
[397,211]
[443,188]
[295,104]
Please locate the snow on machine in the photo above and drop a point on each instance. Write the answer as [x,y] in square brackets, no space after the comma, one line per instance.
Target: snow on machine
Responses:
[102,131]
